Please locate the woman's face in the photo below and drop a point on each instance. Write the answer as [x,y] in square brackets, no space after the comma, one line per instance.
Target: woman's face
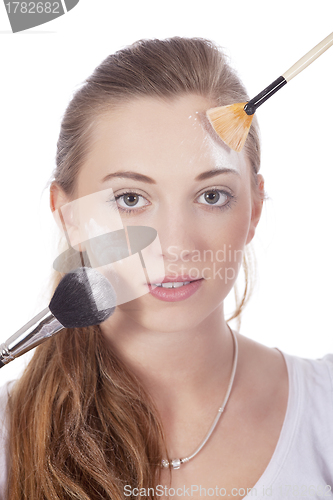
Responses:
[196,193]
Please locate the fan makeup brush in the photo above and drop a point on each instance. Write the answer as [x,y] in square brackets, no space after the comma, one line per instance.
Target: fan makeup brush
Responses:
[232,123]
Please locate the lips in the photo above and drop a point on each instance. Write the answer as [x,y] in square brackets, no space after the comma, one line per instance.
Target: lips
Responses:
[175,294]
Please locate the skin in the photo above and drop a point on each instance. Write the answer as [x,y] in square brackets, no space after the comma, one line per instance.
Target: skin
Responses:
[182,351]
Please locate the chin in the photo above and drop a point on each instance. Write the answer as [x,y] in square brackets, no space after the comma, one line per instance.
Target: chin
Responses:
[176,317]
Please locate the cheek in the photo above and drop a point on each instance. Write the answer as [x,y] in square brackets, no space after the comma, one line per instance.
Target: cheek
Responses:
[222,242]
[229,228]
[239,226]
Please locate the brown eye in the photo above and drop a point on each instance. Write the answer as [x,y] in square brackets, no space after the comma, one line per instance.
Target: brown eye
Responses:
[130,202]
[212,197]
[131,199]
[215,197]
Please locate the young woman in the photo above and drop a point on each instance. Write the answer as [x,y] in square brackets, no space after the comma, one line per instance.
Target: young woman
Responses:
[117,410]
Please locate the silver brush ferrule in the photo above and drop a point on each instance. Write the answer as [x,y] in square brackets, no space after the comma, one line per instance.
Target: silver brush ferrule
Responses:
[40,328]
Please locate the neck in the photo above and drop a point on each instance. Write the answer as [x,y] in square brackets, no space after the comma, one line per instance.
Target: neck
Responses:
[177,368]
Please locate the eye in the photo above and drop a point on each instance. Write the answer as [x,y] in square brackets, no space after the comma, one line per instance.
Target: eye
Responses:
[129,199]
[131,202]
[217,198]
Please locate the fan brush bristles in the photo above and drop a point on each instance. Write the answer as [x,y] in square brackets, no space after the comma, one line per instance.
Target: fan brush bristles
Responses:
[231,123]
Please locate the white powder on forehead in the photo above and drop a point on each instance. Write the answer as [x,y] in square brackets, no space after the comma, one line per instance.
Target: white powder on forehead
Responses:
[212,147]
[223,158]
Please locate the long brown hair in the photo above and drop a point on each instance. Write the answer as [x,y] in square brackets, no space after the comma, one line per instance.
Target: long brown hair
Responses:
[81,425]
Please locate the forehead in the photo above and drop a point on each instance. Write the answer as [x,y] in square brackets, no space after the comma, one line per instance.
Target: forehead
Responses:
[167,136]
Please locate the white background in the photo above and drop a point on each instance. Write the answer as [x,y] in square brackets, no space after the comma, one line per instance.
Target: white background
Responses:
[40,68]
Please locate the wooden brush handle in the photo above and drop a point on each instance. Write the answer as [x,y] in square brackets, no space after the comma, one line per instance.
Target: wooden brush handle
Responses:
[301,64]
[308,58]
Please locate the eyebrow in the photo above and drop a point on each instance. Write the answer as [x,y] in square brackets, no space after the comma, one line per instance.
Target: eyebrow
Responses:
[213,173]
[144,178]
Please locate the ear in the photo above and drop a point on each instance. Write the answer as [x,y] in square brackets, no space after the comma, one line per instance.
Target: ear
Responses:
[63,214]
[257,204]
[57,197]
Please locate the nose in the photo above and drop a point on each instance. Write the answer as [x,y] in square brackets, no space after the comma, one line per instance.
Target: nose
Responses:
[177,234]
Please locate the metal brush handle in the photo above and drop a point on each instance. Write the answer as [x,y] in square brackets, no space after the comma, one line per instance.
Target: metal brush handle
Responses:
[40,328]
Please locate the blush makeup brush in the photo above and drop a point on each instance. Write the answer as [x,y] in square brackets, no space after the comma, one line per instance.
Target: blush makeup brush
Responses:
[232,123]
[83,297]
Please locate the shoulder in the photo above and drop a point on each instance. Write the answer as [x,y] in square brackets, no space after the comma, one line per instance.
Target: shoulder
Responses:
[307,437]
[311,380]
[4,394]
[311,386]
[327,361]
[313,374]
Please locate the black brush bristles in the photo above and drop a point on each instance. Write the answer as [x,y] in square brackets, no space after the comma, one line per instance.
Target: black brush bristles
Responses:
[84,297]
